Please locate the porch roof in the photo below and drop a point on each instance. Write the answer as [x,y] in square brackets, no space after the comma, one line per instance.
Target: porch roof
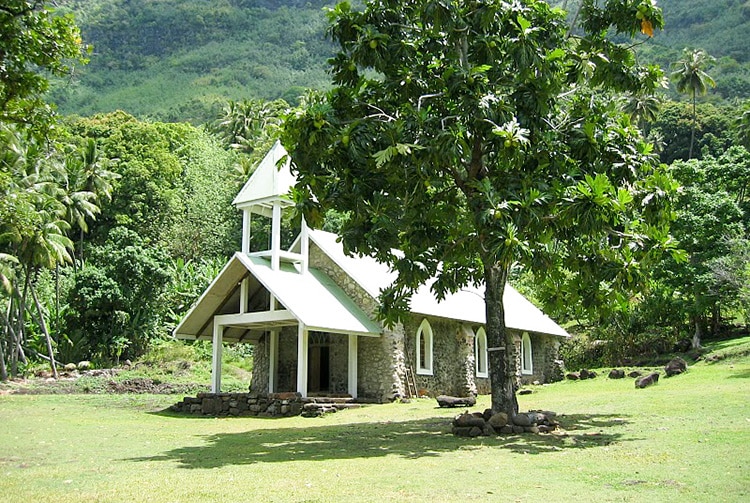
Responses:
[311,299]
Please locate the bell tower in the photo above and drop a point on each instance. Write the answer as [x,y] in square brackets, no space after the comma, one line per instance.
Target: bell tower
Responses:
[266,194]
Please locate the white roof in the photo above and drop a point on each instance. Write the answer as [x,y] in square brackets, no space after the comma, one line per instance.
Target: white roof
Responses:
[465,305]
[311,299]
[270,181]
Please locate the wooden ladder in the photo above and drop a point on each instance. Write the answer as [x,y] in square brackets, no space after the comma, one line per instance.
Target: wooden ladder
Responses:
[411,384]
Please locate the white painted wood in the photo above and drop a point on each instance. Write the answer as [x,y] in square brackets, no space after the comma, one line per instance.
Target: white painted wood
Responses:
[304,246]
[352,378]
[243,295]
[218,346]
[275,236]
[302,360]
[280,315]
[246,216]
[273,358]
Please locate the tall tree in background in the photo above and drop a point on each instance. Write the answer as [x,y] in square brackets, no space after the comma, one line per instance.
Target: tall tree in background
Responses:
[33,40]
[475,134]
[691,78]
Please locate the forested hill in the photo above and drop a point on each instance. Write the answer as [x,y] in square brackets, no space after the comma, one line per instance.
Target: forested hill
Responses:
[177,60]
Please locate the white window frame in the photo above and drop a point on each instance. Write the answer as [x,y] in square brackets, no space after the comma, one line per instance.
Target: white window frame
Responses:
[527,356]
[425,330]
[481,356]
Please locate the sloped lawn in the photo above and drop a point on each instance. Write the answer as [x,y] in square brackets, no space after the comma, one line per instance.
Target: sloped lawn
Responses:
[685,439]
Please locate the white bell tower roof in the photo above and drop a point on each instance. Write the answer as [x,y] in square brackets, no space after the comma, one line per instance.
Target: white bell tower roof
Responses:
[269,183]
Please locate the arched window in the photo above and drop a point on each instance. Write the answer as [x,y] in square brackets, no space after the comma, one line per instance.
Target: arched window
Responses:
[480,353]
[424,348]
[527,362]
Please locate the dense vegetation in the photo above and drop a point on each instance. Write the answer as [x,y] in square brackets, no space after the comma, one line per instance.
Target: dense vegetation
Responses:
[112,222]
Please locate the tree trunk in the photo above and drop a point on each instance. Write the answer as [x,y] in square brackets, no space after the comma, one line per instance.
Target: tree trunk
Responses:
[3,369]
[43,325]
[698,334]
[692,131]
[499,343]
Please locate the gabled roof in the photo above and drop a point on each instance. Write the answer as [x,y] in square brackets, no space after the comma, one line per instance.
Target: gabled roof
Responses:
[465,305]
[311,299]
[270,181]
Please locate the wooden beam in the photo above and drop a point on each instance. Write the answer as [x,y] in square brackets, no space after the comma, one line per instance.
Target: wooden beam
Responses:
[280,315]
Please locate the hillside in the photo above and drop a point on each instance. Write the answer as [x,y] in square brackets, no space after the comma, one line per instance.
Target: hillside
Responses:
[176,60]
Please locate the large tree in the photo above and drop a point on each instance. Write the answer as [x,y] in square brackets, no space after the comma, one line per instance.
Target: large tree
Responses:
[475,134]
[34,43]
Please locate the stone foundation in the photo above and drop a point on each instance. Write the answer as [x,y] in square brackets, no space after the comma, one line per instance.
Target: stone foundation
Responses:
[241,404]
[261,405]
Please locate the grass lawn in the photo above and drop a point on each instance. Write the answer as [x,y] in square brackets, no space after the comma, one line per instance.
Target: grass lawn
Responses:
[685,439]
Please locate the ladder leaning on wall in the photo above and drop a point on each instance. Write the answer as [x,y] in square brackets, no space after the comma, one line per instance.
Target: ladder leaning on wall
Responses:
[411,384]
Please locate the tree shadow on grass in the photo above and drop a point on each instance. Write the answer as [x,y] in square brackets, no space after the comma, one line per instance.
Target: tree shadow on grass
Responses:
[423,438]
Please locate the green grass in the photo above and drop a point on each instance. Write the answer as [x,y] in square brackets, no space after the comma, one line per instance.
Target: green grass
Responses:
[685,439]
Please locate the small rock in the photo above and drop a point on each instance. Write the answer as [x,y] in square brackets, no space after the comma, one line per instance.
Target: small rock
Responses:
[648,380]
[475,431]
[518,429]
[461,431]
[70,367]
[531,429]
[616,374]
[525,391]
[586,374]
[573,376]
[635,373]
[488,430]
[506,430]
[84,365]
[487,414]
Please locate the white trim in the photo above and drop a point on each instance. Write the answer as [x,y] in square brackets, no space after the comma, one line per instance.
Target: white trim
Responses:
[275,236]
[481,358]
[246,216]
[527,356]
[302,360]
[425,330]
[280,316]
[352,367]
[217,346]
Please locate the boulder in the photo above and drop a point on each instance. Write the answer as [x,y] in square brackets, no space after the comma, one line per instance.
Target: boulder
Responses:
[635,373]
[522,420]
[525,391]
[84,365]
[616,374]
[498,420]
[648,380]
[487,414]
[675,367]
[455,401]
[573,376]
[70,367]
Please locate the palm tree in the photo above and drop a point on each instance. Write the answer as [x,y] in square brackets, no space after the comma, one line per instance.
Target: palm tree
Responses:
[690,78]
[642,109]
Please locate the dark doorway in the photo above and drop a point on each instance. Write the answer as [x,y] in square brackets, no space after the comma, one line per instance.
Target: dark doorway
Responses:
[319,369]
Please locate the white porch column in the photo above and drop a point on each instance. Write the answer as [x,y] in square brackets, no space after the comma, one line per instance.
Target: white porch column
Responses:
[304,246]
[275,235]
[302,360]
[246,231]
[273,356]
[353,344]
[216,358]
[244,288]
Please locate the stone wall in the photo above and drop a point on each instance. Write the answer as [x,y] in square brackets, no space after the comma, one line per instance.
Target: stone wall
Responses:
[381,368]
[452,357]
[259,383]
